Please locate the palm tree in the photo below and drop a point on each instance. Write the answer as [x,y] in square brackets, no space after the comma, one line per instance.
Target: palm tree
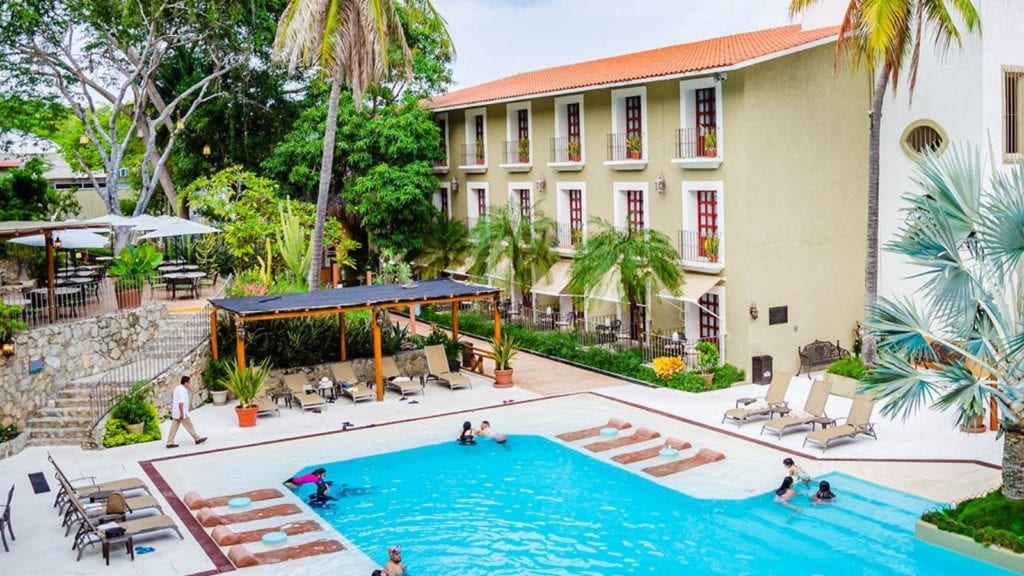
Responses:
[642,259]
[969,325]
[505,238]
[886,36]
[445,246]
[350,41]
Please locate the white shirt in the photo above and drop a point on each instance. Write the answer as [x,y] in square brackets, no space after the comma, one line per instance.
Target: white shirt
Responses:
[181,398]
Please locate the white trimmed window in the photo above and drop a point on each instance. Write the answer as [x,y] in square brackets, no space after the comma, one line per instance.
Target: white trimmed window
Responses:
[443,199]
[477,202]
[520,195]
[567,145]
[631,205]
[572,214]
[700,114]
[475,152]
[518,145]
[628,140]
[1013,113]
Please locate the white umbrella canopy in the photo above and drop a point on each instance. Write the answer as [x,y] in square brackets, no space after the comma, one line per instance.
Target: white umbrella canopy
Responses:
[69,240]
[174,226]
[147,222]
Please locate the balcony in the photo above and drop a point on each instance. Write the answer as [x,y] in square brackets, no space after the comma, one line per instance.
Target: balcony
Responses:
[626,152]
[515,155]
[567,238]
[700,252]
[566,154]
[697,148]
[440,165]
[474,158]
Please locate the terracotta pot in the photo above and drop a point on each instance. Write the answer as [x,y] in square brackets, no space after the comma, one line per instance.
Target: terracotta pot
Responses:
[503,378]
[976,426]
[135,428]
[709,380]
[129,298]
[220,397]
[246,416]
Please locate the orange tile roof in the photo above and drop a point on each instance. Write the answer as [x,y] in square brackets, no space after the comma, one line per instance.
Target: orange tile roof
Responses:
[722,52]
[10,163]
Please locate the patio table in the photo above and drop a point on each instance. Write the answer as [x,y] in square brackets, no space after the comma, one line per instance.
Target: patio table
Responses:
[186,280]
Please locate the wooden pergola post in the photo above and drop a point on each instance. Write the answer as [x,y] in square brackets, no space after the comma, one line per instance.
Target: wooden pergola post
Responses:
[376,319]
[213,334]
[240,343]
[455,319]
[497,319]
[993,414]
[341,336]
[51,289]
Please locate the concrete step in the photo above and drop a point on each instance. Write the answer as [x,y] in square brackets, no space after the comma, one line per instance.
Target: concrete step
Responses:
[57,433]
[69,403]
[63,412]
[33,441]
[59,422]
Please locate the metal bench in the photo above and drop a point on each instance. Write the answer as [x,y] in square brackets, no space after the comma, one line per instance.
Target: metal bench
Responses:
[819,353]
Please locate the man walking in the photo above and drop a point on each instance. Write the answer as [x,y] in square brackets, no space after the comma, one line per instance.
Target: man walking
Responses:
[179,413]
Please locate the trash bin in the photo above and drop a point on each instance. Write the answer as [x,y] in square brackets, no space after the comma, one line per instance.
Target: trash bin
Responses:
[761,369]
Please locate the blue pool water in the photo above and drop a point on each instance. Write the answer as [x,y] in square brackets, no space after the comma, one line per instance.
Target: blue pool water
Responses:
[536,507]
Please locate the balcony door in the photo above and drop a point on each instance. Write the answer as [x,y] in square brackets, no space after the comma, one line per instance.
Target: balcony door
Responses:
[709,318]
[707,219]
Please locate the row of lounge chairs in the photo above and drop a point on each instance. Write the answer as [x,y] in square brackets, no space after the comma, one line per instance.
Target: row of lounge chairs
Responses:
[347,383]
[857,422]
[103,513]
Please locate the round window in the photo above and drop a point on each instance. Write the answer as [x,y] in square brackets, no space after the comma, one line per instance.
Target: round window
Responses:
[921,136]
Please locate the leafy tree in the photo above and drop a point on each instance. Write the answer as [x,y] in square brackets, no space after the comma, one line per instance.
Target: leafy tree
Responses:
[25,194]
[886,36]
[445,246]
[966,325]
[642,259]
[523,246]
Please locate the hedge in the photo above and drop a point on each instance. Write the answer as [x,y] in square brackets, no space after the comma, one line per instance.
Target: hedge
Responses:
[116,434]
[992,520]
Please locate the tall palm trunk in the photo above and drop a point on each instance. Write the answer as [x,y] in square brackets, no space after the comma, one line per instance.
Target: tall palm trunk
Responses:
[1013,463]
[871,259]
[326,170]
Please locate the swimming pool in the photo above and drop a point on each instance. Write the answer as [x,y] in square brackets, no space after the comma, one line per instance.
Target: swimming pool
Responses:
[536,507]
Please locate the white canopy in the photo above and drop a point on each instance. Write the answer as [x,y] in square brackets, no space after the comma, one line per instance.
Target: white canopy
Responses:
[69,239]
[174,226]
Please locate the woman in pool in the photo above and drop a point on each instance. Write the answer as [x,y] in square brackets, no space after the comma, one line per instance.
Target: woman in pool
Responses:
[785,492]
[320,498]
[314,477]
[466,437]
[825,494]
[486,430]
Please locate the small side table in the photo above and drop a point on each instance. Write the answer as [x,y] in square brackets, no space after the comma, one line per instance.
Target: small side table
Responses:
[126,539]
[780,410]
[825,422]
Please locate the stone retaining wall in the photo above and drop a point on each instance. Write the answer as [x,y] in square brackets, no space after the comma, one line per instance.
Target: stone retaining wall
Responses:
[69,351]
[13,446]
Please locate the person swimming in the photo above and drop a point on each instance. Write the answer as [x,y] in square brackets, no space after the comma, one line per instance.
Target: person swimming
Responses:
[314,477]
[487,431]
[466,437]
[321,497]
[785,492]
[825,494]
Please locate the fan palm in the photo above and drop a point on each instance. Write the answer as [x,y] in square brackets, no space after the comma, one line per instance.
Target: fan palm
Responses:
[444,247]
[967,327]
[886,36]
[350,41]
[642,259]
[504,238]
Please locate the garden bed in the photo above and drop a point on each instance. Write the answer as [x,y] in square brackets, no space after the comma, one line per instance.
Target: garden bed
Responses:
[12,446]
[990,528]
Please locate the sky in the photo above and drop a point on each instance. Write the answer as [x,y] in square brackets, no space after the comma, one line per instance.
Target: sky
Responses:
[498,38]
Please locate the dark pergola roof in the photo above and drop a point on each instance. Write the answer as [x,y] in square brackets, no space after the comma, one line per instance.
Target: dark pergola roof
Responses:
[16,229]
[354,298]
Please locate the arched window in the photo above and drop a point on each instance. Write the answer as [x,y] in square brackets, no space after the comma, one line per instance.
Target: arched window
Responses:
[923,135]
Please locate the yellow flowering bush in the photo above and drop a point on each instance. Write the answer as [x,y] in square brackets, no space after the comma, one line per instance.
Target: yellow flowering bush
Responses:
[666,366]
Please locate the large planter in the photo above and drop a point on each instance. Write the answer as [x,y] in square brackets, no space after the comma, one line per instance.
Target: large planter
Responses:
[975,426]
[968,547]
[503,378]
[13,446]
[246,416]
[129,298]
[220,397]
[135,428]
[842,385]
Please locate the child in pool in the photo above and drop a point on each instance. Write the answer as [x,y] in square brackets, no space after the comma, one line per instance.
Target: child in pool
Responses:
[825,494]
[466,437]
[486,430]
[796,473]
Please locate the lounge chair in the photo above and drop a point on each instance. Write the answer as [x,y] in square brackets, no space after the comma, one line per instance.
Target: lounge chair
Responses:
[94,529]
[702,457]
[296,384]
[224,536]
[243,558]
[194,501]
[813,412]
[208,518]
[266,406]
[437,369]
[346,381]
[652,452]
[774,398]
[641,435]
[857,422]
[5,520]
[397,381]
[596,430]
[92,491]
[98,510]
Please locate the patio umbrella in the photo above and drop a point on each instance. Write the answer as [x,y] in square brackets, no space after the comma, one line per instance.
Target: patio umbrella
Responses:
[69,240]
[112,219]
[174,226]
[147,222]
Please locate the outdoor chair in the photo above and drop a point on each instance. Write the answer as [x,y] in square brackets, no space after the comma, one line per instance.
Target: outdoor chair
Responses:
[857,422]
[567,322]
[437,369]
[159,284]
[296,384]
[774,400]
[95,529]
[115,506]
[209,281]
[813,412]
[69,492]
[5,520]
[397,381]
[345,379]
[265,406]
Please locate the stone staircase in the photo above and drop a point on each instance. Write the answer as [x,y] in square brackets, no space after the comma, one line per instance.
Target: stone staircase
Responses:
[66,419]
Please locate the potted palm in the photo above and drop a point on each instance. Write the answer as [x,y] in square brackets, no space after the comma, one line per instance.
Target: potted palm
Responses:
[479,151]
[707,362]
[503,351]
[574,150]
[247,383]
[132,268]
[710,244]
[634,147]
[133,409]
[524,150]
[710,142]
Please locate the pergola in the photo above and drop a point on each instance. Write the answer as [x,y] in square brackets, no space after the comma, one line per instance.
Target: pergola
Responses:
[16,229]
[376,298]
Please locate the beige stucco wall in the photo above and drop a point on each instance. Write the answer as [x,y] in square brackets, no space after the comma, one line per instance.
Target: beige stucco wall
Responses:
[793,143]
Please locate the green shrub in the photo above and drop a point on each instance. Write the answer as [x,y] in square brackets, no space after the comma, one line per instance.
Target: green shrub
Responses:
[726,375]
[851,367]
[688,381]
[132,407]
[451,345]
[8,433]
[216,373]
[116,433]
[990,520]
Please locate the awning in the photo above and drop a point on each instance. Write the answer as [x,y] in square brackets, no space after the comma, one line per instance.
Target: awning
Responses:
[555,282]
[694,286]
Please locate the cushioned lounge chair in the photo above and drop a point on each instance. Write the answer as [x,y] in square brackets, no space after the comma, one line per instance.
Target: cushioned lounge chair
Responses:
[437,369]
[266,406]
[94,529]
[346,381]
[99,510]
[774,398]
[296,384]
[595,431]
[814,411]
[857,422]
[641,435]
[241,557]
[397,381]
[76,489]
[702,457]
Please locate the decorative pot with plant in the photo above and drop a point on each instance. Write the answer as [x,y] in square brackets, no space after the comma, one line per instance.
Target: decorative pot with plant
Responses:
[247,383]
[133,267]
[479,151]
[503,352]
[524,150]
[214,376]
[133,409]
[710,142]
[10,324]
[707,362]
[574,149]
[576,236]
[634,147]
[710,245]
